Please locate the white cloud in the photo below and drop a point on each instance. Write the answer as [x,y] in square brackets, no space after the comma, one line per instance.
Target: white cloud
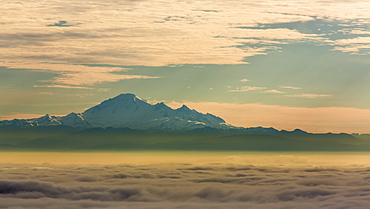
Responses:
[247,88]
[290,87]
[244,80]
[146,33]
[354,49]
[45,93]
[79,95]
[358,40]
[273,91]
[217,180]
[273,34]
[310,96]
[78,74]
[354,45]
[61,86]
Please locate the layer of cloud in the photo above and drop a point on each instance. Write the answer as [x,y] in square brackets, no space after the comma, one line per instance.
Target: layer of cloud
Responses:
[52,33]
[145,33]
[247,88]
[211,181]
[273,91]
[359,45]
[290,87]
[61,86]
[309,96]
[79,74]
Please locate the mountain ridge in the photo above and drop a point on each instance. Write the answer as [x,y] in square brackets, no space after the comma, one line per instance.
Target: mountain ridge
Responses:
[207,139]
[127,122]
[127,111]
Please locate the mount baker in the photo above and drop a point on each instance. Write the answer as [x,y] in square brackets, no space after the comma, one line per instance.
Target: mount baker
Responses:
[127,111]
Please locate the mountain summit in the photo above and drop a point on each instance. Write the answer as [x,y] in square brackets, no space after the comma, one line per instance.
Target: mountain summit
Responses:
[107,126]
[128,111]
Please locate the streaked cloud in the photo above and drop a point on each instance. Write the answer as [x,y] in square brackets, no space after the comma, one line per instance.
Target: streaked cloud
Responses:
[244,80]
[78,74]
[310,96]
[353,49]
[45,93]
[61,86]
[273,91]
[290,87]
[358,40]
[132,33]
[275,34]
[144,33]
[247,88]
[79,95]
[358,45]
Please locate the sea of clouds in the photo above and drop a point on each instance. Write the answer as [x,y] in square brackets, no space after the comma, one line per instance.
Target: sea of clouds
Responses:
[185,185]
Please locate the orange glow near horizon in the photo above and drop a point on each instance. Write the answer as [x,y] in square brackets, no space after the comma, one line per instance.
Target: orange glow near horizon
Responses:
[315,120]
[187,157]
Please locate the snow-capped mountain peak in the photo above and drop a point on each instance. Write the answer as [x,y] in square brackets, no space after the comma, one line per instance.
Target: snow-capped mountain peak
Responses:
[128,110]
[127,98]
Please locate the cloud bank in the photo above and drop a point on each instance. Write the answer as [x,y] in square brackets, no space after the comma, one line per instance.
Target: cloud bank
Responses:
[292,183]
[146,33]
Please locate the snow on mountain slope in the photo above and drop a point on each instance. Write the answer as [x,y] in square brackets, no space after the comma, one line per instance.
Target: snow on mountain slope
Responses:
[127,110]
[74,120]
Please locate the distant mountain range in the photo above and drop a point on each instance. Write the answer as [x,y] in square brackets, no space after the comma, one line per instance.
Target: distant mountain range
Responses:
[127,111]
[127,122]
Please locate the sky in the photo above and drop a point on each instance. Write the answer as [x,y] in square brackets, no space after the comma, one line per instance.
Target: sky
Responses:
[280,63]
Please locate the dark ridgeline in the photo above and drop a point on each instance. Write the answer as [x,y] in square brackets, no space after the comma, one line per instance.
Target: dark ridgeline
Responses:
[127,122]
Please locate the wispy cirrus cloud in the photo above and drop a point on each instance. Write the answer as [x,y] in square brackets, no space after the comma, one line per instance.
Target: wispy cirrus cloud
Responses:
[130,33]
[290,87]
[354,45]
[247,88]
[150,35]
[78,74]
[309,96]
[358,40]
[273,91]
[61,86]
[275,34]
